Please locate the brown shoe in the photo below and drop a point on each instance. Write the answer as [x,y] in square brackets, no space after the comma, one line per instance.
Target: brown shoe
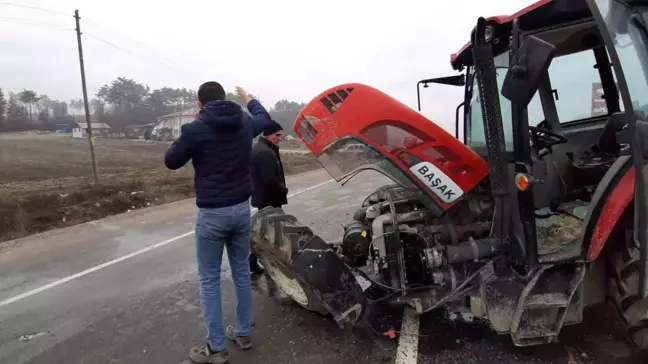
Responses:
[243,342]
[205,355]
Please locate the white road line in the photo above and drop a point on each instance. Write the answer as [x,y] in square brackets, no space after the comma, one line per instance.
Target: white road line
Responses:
[309,188]
[91,270]
[407,352]
[125,257]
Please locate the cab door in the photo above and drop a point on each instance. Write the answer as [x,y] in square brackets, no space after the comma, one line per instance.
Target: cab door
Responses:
[624,31]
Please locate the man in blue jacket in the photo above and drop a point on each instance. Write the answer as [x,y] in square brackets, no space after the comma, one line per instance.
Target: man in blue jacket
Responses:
[219,144]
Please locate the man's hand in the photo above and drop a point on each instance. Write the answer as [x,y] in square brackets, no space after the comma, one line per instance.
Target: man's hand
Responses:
[243,94]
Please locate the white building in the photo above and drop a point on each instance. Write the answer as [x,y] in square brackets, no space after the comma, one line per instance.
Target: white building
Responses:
[168,126]
[98,130]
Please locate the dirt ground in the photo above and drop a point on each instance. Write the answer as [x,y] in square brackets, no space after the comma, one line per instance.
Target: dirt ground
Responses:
[46,180]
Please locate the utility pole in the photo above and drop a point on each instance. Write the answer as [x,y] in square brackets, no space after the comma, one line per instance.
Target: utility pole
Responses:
[85,98]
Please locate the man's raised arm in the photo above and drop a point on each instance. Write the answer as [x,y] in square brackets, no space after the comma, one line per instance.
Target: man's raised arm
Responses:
[260,116]
[181,150]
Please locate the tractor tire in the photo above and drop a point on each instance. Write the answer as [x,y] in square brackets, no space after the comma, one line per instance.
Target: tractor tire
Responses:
[272,247]
[624,290]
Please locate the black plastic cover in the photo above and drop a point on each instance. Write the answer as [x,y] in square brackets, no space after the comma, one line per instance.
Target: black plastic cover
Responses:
[530,62]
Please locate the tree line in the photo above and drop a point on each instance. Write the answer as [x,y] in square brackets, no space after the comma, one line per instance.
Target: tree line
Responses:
[121,103]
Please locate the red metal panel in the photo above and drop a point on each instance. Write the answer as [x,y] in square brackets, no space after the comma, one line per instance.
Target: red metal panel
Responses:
[365,109]
[614,207]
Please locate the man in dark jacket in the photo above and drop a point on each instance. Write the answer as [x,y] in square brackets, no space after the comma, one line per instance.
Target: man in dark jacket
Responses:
[268,181]
[219,144]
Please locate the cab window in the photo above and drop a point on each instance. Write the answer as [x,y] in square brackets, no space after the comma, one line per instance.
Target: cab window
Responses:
[576,85]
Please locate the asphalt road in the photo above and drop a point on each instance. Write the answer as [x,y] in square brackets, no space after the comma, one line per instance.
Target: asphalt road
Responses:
[124,290]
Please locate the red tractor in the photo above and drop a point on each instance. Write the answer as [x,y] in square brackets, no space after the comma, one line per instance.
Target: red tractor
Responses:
[539,212]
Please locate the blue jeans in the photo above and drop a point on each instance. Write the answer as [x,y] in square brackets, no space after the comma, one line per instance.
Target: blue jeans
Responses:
[218,229]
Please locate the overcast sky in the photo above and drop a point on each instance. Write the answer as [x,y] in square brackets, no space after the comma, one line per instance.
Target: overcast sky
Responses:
[274,48]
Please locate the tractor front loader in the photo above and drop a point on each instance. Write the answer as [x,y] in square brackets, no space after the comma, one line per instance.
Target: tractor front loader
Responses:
[536,213]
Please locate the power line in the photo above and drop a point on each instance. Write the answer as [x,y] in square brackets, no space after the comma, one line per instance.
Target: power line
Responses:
[97,24]
[109,43]
[171,62]
[168,62]
[110,30]
[134,53]
[33,8]
[32,22]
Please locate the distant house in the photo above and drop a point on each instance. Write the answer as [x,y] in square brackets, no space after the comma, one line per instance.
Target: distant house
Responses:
[139,130]
[98,130]
[168,126]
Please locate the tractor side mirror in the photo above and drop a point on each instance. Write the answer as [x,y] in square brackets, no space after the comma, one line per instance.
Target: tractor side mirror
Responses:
[531,61]
[458,80]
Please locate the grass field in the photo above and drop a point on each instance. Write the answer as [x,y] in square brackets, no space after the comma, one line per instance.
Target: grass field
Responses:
[46,180]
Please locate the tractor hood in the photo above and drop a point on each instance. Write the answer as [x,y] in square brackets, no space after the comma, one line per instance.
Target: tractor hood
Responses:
[354,127]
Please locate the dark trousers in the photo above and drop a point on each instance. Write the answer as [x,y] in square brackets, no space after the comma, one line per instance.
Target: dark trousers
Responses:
[254,267]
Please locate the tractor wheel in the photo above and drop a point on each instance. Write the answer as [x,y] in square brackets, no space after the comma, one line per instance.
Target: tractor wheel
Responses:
[273,249]
[624,289]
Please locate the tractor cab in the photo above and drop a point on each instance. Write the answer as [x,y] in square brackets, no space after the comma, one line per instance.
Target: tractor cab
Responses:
[556,100]
[574,134]
[571,80]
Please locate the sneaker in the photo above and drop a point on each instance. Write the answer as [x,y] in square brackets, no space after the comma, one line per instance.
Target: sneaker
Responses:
[243,342]
[205,355]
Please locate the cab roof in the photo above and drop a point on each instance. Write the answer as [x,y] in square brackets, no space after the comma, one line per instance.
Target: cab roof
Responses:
[541,14]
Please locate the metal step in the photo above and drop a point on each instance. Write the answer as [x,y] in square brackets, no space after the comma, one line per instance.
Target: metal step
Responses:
[535,336]
[546,300]
[524,332]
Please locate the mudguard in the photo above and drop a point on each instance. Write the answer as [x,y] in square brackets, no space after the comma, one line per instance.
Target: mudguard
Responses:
[317,264]
[312,260]
[610,200]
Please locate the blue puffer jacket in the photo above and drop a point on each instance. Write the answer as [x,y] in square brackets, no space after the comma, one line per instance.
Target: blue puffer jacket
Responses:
[219,144]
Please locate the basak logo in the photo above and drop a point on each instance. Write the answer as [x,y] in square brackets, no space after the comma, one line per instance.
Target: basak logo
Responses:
[437,181]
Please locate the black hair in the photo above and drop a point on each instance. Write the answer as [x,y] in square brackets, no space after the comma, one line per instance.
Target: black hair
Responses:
[211,91]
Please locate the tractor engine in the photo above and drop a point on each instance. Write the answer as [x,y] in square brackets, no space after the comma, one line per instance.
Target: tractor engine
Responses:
[396,241]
